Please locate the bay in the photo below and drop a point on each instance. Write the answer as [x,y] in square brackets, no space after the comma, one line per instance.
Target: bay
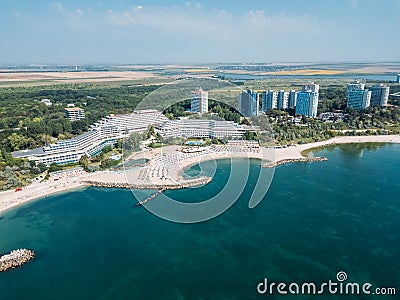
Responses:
[317,219]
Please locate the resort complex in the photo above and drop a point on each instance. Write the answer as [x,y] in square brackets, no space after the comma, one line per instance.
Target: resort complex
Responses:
[102,134]
[108,130]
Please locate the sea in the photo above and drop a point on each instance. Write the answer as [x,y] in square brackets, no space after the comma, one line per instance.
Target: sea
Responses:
[317,219]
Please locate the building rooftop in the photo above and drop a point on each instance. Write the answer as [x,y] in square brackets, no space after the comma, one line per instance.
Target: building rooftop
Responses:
[73,108]
[25,153]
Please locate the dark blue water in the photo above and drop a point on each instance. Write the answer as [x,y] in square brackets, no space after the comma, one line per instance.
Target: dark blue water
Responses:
[317,219]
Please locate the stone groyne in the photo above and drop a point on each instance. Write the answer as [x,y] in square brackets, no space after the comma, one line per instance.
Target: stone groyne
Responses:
[15,259]
[151,186]
[149,198]
[285,161]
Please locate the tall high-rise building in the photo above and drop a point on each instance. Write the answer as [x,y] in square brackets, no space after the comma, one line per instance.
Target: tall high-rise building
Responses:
[282,99]
[355,85]
[292,99]
[264,101]
[379,95]
[248,103]
[357,96]
[269,100]
[311,86]
[199,101]
[278,100]
[307,100]
[307,104]
[358,99]
[272,99]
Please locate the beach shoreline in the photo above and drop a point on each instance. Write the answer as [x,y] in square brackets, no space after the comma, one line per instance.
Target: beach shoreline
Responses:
[166,165]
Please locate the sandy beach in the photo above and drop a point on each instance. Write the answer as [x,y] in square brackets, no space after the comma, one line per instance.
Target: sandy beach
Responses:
[295,152]
[165,166]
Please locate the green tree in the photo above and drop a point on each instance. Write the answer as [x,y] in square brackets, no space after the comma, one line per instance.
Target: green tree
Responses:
[132,143]
[42,167]
[84,161]
[54,168]
[16,141]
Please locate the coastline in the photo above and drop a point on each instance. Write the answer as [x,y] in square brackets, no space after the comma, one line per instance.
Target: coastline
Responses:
[166,164]
[11,199]
[298,152]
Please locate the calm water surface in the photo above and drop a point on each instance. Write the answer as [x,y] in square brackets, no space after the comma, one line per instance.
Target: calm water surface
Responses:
[317,219]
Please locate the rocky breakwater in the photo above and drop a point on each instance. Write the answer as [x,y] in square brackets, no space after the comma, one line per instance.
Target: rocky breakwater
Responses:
[285,161]
[181,184]
[15,259]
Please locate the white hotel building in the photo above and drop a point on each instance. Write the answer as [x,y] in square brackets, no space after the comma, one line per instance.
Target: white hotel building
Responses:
[103,133]
[186,128]
[199,101]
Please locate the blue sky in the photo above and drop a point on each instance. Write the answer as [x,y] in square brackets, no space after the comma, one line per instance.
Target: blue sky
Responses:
[165,31]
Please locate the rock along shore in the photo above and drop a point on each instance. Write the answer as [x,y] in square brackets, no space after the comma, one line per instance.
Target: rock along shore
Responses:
[15,258]
[150,186]
[285,161]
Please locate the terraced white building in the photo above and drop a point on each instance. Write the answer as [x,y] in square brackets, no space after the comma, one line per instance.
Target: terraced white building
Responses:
[103,133]
[186,128]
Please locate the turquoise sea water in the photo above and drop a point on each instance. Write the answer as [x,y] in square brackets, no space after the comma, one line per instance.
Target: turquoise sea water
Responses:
[317,219]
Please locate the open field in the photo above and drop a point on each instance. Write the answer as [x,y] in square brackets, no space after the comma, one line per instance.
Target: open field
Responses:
[74,77]
[160,74]
[8,79]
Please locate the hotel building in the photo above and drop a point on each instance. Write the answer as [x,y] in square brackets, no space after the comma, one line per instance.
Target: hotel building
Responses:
[248,103]
[355,85]
[282,99]
[187,128]
[307,100]
[357,97]
[74,113]
[103,133]
[269,100]
[199,101]
[379,95]
[278,100]
[292,99]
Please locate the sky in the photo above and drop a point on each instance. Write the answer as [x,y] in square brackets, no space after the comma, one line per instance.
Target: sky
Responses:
[166,31]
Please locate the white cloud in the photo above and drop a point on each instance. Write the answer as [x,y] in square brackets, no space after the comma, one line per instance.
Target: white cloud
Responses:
[217,21]
[59,7]
[18,14]
[189,30]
